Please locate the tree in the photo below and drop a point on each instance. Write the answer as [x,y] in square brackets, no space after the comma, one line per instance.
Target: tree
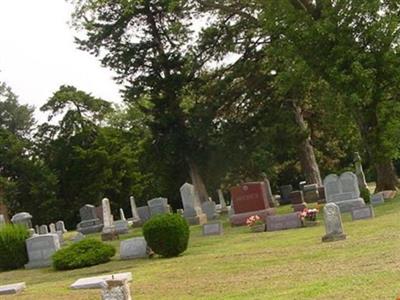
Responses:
[149,45]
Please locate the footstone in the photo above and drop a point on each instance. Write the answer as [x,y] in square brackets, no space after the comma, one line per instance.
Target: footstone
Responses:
[213,229]
[333,223]
[282,222]
[366,212]
[11,289]
[134,248]
[99,281]
[377,199]
[40,250]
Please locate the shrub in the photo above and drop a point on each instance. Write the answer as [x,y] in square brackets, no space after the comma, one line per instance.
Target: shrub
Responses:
[365,194]
[85,253]
[13,253]
[167,234]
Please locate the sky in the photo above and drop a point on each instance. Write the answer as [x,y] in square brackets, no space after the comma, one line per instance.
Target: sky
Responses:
[38,54]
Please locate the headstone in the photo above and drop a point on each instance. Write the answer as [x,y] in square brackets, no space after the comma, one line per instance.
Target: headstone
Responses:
[366,212]
[343,191]
[249,199]
[282,222]
[362,183]
[116,290]
[37,229]
[271,199]
[144,213]
[158,206]
[31,232]
[333,223]
[209,208]
[52,228]
[61,227]
[310,192]
[122,214]
[297,201]
[43,229]
[377,199]
[121,226]
[213,228]
[135,215]
[2,220]
[23,218]
[108,233]
[98,281]
[222,201]
[40,250]
[285,191]
[11,289]
[191,205]
[321,194]
[134,248]
[90,223]
[78,237]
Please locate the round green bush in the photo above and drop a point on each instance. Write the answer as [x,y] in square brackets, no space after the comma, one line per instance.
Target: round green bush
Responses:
[167,234]
[13,253]
[85,253]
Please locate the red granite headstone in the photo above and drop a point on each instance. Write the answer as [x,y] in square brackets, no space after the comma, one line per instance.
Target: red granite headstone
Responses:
[249,197]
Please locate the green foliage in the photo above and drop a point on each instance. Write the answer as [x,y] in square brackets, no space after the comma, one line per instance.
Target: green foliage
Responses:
[365,194]
[85,253]
[13,253]
[167,234]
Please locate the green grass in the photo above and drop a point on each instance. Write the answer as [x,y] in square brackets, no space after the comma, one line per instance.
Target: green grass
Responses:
[291,264]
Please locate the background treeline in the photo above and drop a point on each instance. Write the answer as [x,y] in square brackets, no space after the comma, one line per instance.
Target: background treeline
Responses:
[215,92]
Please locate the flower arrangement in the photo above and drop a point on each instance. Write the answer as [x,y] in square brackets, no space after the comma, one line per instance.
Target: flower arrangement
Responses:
[309,215]
[255,223]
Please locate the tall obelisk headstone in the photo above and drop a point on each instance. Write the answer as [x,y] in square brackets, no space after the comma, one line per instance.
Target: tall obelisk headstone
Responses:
[108,232]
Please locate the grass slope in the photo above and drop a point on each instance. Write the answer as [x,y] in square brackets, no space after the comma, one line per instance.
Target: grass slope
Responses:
[292,264]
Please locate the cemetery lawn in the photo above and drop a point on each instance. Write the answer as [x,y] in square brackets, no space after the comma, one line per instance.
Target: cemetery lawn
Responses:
[291,264]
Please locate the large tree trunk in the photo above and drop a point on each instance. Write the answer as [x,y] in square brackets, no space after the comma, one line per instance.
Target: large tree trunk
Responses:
[198,182]
[386,176]
[308,162]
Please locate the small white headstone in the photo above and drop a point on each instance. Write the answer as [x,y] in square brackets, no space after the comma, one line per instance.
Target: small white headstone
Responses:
[122,214]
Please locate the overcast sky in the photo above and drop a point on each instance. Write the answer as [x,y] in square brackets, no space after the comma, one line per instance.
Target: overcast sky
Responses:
[37,53]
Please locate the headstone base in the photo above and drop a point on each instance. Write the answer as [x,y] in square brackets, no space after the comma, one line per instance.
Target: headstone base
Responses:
[348,205]
[333,237]
[90,226]
[38,264]
[299,207]
[197,220]
[240,219]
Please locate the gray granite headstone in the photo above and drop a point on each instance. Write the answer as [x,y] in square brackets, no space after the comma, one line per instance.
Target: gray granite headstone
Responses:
[333,223]
[43,229]
[191,205]
[208,207]
[134,248]
[60,226]
[158,206]
[22,218]
[285,191]
[377,199]
[144,213]
[366,212]
[90,223]
[213,228]
[282,222]
[40,250]
[121,226]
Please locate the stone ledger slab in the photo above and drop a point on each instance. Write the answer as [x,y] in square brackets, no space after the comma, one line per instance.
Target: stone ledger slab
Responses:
[11,289]
[99,281]
[282,222]
[213,229]
[362,213]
